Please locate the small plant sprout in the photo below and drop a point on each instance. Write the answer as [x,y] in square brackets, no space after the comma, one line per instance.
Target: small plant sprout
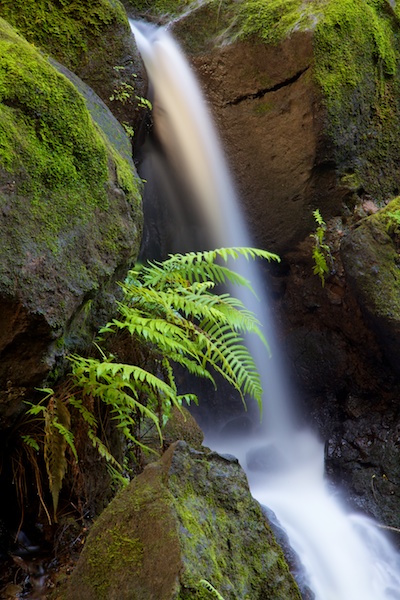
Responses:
[321,251]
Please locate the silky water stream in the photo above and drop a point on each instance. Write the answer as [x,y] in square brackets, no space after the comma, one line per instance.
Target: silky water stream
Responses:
[345,556]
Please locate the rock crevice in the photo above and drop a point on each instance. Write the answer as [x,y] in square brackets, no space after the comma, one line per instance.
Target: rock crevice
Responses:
[263,92]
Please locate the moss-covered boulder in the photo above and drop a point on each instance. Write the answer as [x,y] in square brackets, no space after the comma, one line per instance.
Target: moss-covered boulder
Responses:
[70,214]
[306,99]
[93,39]
[370,255]
[186,519]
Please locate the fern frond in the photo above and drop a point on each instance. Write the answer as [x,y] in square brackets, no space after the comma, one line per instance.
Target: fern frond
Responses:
[170,310]
[197,267]
[318,218]
[57,422]
[30,441]
[102,449]
[206,584]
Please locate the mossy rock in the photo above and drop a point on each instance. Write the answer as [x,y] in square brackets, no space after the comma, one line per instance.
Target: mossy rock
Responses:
[70,213]
[356,65]
[370,255]
[92,39]
[187,518]
[300,134]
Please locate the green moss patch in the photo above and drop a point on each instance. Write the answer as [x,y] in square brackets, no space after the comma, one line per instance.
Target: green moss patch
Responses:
[65,28]
[68,199]
[133,550]
[356,65]
[48,142]
[223,534]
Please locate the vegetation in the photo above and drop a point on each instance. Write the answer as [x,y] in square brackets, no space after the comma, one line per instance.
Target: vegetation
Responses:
[271,21]
[173,317]
[321,251]
[213,592]
[49,140]
[65,29]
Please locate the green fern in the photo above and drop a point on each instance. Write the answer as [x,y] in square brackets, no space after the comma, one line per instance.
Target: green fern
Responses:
[172,314]
[172,306]
[57,436]
[321,252]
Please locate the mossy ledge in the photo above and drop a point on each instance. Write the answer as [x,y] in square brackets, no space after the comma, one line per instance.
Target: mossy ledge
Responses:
[90,39]
[66,29]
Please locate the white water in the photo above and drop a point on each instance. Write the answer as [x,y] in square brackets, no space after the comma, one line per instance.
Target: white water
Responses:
[346,556]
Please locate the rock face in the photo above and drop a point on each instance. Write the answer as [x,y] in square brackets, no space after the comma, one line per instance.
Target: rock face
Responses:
[370,255]
[187,518]
[70,215]
[269,113]
[306,117]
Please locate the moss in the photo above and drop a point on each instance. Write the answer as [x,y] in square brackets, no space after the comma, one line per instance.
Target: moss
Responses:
[263,108]
[187,517]
[356,65]
[61,182]
[271,21]
[158,7]
[224,538]
[65,28]
[48,140]
[116,550]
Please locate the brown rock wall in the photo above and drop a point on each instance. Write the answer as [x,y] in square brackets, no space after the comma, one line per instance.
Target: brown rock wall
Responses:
[271,119]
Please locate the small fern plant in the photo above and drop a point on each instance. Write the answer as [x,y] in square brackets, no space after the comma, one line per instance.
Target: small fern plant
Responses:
[321,251]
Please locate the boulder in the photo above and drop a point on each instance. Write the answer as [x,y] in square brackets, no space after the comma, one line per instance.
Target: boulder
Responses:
[70,216]
[187,519]
[93,40]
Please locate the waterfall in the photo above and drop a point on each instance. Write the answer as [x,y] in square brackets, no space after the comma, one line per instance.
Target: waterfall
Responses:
[346,557]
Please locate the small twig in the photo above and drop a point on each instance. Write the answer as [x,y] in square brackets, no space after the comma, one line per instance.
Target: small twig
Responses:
[388,527]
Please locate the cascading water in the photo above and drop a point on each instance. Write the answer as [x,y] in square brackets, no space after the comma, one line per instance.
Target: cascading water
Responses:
[345,556]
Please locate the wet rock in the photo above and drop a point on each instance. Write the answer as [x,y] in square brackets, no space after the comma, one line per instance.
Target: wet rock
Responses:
[363,457]
[194,508]
[295,95]
[70,224]
[370,255]
[94,41]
